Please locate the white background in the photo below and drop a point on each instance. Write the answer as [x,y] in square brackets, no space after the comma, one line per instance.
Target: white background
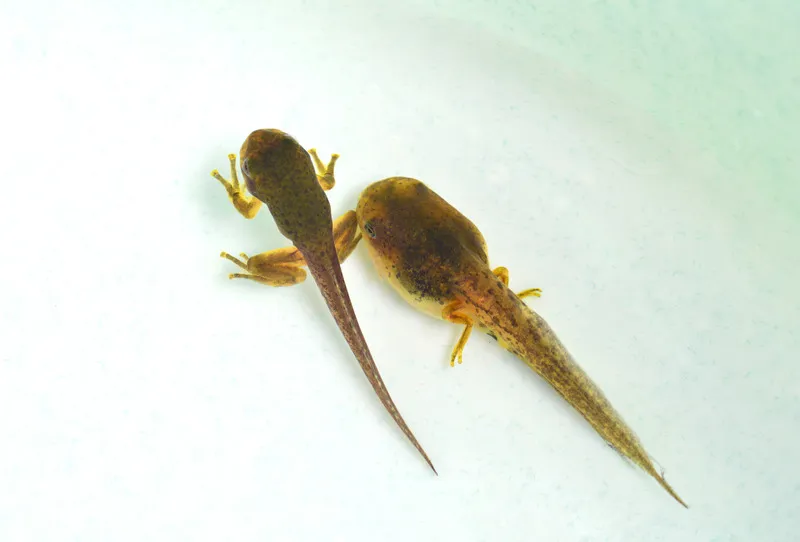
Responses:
[143,396]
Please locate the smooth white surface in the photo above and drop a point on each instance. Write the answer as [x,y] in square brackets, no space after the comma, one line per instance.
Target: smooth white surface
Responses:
[145,397]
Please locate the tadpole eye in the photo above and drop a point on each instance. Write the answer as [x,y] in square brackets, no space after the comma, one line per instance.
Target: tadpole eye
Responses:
[369,229]
[246,166]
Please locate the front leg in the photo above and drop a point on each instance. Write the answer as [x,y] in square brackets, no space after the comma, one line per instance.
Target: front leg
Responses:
[247,205]
[324,173]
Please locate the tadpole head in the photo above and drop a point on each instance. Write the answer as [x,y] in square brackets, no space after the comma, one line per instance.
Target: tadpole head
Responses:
[279,172]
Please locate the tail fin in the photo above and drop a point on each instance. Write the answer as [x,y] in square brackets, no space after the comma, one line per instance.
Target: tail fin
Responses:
[527,335]
[660,479]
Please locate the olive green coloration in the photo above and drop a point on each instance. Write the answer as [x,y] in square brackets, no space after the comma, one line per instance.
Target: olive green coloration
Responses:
[280,173]
[438,261]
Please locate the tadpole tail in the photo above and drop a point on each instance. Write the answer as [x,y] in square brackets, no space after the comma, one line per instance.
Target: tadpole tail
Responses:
[660,479]
[523,332]
[327,274]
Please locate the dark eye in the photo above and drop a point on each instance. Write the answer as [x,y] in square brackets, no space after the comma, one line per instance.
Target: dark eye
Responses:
[369,229]
[246,167]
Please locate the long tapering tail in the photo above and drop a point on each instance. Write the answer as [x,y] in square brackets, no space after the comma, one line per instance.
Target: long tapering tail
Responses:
[526,334]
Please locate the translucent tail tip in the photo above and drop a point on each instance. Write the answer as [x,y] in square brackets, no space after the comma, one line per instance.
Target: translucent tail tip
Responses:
[666,486]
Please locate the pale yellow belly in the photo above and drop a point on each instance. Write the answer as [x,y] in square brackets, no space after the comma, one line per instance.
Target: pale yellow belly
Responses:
[426,305]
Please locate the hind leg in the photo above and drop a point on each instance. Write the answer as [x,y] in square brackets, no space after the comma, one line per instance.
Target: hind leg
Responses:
[284,266]
[502,274]
[454,313]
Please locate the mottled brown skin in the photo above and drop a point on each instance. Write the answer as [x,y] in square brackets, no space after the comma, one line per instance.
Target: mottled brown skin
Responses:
[437,259]
[280,173]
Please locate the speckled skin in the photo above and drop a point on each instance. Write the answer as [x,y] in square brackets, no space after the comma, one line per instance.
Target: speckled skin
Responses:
[434,257]
[279,172]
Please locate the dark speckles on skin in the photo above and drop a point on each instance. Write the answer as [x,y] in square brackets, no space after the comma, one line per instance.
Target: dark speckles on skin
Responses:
[432,245]
[442,256]
[421,189]
[429,264]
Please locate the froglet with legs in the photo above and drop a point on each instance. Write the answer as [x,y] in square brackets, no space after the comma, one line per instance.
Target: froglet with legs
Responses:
[437,260]
[279,172]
